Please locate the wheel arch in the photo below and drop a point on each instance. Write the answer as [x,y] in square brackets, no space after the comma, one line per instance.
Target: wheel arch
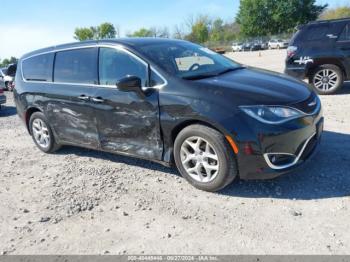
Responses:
[29,112]
[326,61]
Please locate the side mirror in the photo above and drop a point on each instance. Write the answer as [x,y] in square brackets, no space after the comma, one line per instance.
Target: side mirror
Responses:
[130,84]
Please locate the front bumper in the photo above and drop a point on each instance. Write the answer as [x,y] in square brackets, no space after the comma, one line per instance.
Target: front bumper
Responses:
[273,150]
[2,99]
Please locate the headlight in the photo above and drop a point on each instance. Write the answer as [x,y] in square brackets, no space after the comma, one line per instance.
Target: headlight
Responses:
[272,114]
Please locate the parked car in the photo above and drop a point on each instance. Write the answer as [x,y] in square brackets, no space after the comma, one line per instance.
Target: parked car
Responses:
[246,46]
[165,100]
[277,44]
[219,50]
[255,46]
[320,51]
[2,97]
[237,47]
[7,76]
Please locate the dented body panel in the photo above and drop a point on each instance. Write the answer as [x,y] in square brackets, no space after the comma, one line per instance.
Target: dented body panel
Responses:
[146,126]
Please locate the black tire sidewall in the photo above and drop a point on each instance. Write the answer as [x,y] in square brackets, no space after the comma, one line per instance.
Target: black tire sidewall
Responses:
[226,174]
[331,67]
[39,115]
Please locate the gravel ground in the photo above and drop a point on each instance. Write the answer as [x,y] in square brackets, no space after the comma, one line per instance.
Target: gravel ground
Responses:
[87,202]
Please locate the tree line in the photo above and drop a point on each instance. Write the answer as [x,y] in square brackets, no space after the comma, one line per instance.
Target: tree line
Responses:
[255,18]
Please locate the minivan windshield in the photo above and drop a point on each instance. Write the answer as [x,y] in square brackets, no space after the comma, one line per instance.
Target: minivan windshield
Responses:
[187,60]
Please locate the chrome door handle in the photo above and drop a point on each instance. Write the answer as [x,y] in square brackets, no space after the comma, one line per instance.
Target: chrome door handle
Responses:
[97,99]
[83,97]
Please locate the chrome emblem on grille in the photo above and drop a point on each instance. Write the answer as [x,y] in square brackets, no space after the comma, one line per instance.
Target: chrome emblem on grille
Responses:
[312,103]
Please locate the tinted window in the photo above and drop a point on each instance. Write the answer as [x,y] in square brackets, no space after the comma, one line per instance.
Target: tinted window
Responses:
[317,32]
[345,35]
[38,68]
[116,64]
[76,66]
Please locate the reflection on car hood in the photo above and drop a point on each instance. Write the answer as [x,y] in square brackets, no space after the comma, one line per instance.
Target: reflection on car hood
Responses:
[255,86]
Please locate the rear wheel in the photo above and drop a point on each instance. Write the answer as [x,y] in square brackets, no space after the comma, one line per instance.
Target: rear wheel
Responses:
[327,79]
[41,133]
[204,158]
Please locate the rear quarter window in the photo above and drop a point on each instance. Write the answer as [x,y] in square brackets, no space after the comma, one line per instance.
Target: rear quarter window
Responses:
[345,35]
[76,66]
[314,33]
[38,68]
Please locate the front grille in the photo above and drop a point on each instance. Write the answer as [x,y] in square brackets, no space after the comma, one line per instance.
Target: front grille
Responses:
[309,105]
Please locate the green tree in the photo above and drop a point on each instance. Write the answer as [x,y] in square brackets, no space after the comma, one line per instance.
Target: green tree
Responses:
[83,34]
[266,17]
[8,61]
[217,30]
[106,31]
[103,31]
[334,13]
[199,30]
[142,32]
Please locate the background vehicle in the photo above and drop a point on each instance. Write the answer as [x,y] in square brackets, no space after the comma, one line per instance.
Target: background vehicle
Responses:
[277,44]
[320,51]
[166,100]
[7,76]
[2,97]
[237,47]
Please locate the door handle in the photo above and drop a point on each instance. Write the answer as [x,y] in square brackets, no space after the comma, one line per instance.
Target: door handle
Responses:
[97,99]
[83,97]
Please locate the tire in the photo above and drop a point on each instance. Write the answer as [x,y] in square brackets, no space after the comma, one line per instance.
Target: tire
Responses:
[226,160]
[51,145]
[333,82]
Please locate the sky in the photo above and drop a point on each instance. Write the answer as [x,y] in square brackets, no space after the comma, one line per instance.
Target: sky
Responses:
[29,25]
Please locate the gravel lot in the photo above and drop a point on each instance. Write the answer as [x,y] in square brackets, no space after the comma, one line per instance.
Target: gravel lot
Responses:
[87,202]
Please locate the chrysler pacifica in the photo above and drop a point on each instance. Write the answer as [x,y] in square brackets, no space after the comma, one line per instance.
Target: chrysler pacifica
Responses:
[169,101]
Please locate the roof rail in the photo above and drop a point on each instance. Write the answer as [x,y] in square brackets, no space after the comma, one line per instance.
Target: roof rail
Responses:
[330,20]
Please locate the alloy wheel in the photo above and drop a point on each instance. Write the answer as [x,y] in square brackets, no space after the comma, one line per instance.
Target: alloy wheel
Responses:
[199,159]
[41,133]
[326,80]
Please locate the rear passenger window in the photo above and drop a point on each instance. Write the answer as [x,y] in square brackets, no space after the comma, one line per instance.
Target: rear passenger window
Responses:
[345,35]
[76,66]
[38,68]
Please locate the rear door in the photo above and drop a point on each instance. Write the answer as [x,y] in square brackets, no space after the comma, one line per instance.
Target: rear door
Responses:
[69,110]
[127,122]
[343,45]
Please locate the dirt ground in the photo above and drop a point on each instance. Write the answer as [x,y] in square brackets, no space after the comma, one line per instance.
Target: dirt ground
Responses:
[80,201]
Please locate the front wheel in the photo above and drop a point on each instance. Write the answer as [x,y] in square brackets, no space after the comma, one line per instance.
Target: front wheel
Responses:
[327,79]
[204,158]
[42,133]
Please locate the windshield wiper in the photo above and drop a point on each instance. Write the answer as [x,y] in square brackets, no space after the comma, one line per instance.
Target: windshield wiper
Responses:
[196,77]
[202,76]
[230,70]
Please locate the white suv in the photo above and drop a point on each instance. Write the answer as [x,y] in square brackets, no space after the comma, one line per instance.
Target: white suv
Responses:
[7,76]
[237,47]
[277,44]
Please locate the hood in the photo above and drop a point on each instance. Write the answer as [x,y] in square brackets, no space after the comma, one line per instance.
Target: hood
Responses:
[255,86]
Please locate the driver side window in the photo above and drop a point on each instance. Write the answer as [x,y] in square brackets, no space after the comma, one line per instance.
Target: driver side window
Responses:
[116,64]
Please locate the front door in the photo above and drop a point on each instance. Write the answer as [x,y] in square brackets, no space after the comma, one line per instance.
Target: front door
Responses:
[126,121]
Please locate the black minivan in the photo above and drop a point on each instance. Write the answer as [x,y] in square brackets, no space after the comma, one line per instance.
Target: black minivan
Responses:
[169,101]
[320,51]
